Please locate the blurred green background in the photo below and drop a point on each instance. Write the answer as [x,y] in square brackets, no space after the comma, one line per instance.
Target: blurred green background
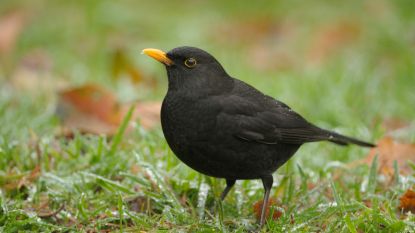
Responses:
[323,52]
[344,65]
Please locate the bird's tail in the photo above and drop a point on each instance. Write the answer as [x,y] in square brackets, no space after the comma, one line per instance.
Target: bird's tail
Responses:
[344,140]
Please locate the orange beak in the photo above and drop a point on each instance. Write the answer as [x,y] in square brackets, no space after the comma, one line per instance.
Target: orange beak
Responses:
[158,55]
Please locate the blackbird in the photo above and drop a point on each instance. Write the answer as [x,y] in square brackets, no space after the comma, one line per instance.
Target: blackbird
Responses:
[225,128]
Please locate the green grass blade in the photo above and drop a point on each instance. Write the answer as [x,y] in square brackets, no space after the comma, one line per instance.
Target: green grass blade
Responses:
[349,224]
[371,186]
[109,184]
[303,179]
[121,212]
[337,196]
[339,201]
[396,172]
[120,133]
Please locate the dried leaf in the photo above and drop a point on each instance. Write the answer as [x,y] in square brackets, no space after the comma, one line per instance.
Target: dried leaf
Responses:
[89,109]
[148,113]
[268,44]
[392,124]
[93,109]
[18,181]
[388,151]
[407,201]
[258,29]
[140,204]
[135,169]
[272,57]
[330,39]
[122,65]
[272,203]
[47,213]
[11,25]
[34,74]
[42,207]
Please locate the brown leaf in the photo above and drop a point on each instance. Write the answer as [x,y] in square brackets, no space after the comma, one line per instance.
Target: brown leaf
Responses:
[148,113]
[34,74]
[272,202]
[258,29]
[392,124]
[135,169]
[407,201]
[94,109]
[45,213]
[89,109]
[272,57]
[388,151]
[269,44]
[121,65]
[18,181]
[140,204]
[42,207]
[94,100]
[331,38]
[11,25]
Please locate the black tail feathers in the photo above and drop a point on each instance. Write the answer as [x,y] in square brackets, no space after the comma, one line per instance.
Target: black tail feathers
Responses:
[344,140]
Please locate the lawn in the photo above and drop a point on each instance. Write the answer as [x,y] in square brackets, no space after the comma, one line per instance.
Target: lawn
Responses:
[344,65]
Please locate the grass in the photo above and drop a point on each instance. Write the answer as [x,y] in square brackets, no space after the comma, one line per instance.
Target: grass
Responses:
[133,182]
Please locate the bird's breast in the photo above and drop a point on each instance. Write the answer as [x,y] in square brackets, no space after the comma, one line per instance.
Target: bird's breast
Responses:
[185,120]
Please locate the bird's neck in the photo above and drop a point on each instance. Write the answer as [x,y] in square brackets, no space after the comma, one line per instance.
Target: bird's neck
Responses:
[200,86]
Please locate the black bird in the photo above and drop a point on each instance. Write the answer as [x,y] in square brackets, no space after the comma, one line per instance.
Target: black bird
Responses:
[225,128]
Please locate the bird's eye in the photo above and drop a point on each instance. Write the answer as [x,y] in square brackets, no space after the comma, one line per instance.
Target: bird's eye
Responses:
[190,62]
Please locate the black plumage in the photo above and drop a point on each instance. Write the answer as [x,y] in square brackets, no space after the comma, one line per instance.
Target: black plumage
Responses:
[225,128]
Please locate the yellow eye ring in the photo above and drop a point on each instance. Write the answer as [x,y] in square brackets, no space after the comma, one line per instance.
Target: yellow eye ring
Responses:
[190,62]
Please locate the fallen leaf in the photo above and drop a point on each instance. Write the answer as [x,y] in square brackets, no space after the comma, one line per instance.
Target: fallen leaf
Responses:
[11,25]
[94,100]
[42,207]
[392,124]
[271,57]
[121,65]
[269,44]
[18,181]
[47,212]
[407,201]
[34,174]
[148,113]
[89,109]
[34,74]
[272,203]
[258,29]
[331,38]
[94,109]
[135,169]
[389,150]
[140,204]
[367,203]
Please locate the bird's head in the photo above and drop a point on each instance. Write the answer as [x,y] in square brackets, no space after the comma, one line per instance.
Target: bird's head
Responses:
[191,68]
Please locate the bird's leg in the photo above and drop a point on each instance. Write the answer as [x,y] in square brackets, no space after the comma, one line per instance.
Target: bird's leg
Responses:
[229,185]
[267,182]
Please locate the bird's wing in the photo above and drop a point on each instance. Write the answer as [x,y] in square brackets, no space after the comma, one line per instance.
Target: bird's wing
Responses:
[266,121]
